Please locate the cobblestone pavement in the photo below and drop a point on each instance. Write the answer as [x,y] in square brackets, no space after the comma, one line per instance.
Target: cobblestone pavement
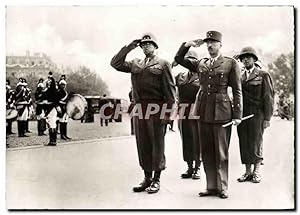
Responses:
[76,130]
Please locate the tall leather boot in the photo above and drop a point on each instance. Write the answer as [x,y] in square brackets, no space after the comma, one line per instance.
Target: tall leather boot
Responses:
[23,128]
[66,130]
[19,128]
[9,128]
[26,126]
[54,136]
[39,128]
[43,126]
[196,173]
[50,137]
[62,131]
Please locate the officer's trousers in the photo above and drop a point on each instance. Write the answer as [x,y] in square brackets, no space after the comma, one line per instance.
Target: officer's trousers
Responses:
[215,144]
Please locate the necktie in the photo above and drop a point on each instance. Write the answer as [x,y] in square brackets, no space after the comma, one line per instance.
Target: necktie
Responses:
[212,60]
[248,74]
[147,60]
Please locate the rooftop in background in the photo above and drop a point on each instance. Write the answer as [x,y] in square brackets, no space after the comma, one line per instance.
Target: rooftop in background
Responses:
[27,61]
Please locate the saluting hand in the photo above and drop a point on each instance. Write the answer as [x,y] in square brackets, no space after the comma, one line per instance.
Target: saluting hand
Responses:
[194,43]
[134,44]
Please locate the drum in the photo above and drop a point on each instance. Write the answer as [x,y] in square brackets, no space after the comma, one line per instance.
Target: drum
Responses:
[11,114]
[76,106]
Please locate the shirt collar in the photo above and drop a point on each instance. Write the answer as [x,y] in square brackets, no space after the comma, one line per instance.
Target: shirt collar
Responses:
[251,70]
[215,58]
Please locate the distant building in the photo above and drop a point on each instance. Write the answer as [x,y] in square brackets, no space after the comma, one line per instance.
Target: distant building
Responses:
[38,63]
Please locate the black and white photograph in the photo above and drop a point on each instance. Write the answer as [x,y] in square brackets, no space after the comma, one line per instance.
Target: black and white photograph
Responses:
[150,107]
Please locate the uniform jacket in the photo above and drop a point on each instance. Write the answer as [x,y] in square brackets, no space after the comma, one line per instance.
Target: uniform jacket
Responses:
[258,93]
[62,96]
[188,87]
[213,103]
[151,82]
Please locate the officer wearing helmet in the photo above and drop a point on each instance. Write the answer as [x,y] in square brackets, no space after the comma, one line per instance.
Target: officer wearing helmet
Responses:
[152,83]
[188,86]
[258,99]
[216,74]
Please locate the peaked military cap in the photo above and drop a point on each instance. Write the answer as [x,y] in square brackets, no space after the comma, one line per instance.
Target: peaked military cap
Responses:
[213,35]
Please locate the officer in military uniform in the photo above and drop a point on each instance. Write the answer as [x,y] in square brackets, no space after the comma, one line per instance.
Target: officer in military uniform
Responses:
[22,107]
[62,96]
[152,83]
[215,108]
[258,99]
[40,113]
[188,87]
[50,109]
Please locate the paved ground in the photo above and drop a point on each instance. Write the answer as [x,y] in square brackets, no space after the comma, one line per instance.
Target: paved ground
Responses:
[76,130]
[99,174]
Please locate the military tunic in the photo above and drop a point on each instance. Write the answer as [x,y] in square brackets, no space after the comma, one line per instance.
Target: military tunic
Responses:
[258,99]
[62,96]
[188,86]
[21,103]
[215,108]
[152,82]
[51,102]
[39,97]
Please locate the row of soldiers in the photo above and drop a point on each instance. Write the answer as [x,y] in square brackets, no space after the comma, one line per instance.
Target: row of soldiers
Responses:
[50,97]
[206,85]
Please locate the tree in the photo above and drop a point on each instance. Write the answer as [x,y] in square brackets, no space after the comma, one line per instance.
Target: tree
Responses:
[282,71]
[86,82]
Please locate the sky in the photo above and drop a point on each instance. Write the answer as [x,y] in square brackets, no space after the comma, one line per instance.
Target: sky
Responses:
[92,35]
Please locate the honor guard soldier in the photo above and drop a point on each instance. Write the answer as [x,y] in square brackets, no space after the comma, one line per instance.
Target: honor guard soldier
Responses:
[188,87]
[258,99]
[152,83]
[215,108]
[40,113]
[50,109]
[22,107]
[10,101]
[62,96]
